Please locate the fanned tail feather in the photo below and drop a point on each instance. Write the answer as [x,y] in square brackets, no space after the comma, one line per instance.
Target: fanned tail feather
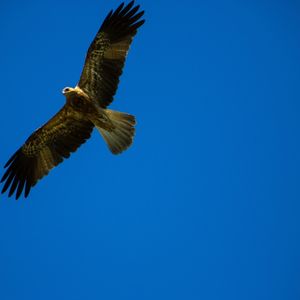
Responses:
[121,136]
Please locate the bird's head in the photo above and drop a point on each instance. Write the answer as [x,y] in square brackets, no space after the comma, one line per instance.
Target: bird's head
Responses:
[67,90]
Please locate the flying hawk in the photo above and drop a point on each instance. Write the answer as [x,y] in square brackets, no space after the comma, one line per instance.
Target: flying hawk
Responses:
[85,107]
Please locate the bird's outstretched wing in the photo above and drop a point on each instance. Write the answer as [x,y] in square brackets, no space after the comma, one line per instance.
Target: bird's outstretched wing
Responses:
[107,53]
[45,149]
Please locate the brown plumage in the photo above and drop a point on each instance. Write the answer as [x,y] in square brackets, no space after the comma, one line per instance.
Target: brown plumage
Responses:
[85,107]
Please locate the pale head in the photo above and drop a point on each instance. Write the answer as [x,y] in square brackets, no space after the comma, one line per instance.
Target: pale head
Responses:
[67,90]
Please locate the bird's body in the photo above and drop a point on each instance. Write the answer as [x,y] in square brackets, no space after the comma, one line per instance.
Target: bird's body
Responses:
[79,102]
[85,107]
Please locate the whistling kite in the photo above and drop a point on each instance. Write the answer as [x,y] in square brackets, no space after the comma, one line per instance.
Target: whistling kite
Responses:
[85,107]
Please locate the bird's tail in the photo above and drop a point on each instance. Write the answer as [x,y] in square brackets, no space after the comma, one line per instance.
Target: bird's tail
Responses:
[119,134]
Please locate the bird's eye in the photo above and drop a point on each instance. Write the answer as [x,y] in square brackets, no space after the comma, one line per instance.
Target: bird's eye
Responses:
[67,90]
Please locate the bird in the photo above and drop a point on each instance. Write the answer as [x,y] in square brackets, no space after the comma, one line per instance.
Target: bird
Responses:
[85,107]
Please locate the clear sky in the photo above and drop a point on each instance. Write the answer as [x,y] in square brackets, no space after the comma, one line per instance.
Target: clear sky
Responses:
[206,203]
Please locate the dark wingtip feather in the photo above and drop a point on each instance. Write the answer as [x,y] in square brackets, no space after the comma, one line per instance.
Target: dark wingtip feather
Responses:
[11,159]
[20,188]
[8,182]
[13,185]
[138,24]
[130,13]
[122,21]
[27,189]
[126,8]
[107,17]
[22,178]
[118,10]
[15,175]
[137,17]
[3,177]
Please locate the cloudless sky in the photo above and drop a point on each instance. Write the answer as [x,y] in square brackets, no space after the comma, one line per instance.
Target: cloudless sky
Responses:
[206,203]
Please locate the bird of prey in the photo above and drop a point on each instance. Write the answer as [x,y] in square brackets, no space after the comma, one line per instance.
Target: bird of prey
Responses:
[85,107]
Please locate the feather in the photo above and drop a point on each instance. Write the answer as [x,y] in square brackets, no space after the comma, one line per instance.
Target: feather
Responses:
[107,53]
[44,149]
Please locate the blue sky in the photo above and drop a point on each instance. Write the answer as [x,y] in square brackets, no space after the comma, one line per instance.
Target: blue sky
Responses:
[205,204]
